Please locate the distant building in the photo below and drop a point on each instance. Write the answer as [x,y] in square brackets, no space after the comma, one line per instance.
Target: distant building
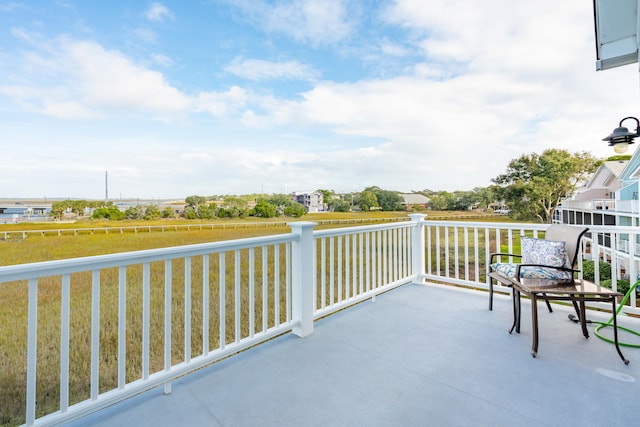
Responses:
[603,183]
[311,200]
[415,199]
[19,212]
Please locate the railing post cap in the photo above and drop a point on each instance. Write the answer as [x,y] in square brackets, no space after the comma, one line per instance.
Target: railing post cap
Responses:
[417,217]
[300,225]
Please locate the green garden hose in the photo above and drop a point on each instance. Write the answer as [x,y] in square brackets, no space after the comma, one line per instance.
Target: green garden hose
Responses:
[610,321]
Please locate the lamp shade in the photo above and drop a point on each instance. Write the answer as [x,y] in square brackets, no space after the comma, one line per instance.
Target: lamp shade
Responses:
[620,135]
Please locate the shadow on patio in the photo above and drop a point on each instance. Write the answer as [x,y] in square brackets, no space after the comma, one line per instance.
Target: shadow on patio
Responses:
[417,355]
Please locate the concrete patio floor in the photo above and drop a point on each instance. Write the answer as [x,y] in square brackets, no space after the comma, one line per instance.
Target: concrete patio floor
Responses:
[420,355]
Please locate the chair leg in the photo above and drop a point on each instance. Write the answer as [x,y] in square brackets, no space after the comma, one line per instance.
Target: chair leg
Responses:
[534,324]
[548,303]
[490,293]
[515,297]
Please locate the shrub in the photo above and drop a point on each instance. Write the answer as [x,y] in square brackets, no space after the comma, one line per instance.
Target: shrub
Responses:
[623,285]
[588,270]
[111,212]
[295,210]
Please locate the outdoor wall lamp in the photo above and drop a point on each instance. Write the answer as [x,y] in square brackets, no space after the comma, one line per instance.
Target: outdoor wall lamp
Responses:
[620,138]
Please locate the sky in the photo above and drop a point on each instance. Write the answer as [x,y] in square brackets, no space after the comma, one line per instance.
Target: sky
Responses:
[211,97]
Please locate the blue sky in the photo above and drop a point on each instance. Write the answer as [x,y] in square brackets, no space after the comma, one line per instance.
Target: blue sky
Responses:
[175,98]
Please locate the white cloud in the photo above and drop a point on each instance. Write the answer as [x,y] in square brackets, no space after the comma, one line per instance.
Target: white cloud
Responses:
[221,103]
[257,69]
[90,81]
[318,22]
[158,12]
[162,60]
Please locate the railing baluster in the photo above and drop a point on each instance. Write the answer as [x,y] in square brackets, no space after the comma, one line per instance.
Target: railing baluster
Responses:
[252,293]
[428,268]
[361,263]
[146,302]
[378,276]
[354,265]
[187,309]
[385,255]
[323,273]
[236,296]
[205,304]
[373,268]
[456,256]
[332,280]
[438,259]
[347,266]
[64,342]
[32,340]
[265,284]
[122,326]
[340,263]
[367,260]
[276,285]
[167,321]
[222,306]
[95,333]
[466,253]
[476,253]
[446,251]
[487,252]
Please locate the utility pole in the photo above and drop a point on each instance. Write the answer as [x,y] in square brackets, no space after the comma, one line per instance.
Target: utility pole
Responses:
[106,186]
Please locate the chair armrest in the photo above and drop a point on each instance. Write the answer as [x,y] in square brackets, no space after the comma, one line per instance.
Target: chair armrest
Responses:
[496,254]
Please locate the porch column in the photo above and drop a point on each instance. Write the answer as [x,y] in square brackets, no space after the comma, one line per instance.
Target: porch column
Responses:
[418,247]
[302,274]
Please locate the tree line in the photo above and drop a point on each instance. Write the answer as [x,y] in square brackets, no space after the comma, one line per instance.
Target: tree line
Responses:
[531,188]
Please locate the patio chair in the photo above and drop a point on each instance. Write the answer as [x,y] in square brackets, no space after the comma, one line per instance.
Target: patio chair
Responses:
[547,273]
[542,261]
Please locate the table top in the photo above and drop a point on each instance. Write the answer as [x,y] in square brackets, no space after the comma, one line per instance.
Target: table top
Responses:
[554,286]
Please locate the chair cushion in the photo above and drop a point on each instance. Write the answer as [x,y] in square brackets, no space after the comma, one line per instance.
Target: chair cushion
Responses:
[509,270]
[538,251]
[547,252]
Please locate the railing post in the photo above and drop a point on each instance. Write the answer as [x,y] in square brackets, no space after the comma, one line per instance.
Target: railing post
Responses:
[417,248]
[302,273]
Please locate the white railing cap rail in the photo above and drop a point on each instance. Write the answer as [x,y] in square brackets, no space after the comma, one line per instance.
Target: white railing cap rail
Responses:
[361,229]
[66,266]
[500,225]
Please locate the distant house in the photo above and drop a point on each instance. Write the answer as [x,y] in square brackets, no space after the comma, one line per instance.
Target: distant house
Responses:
[415,199]
[311,200]
[603,183]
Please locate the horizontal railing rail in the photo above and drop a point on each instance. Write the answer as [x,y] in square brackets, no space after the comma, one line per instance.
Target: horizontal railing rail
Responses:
[457,252]
[599,205]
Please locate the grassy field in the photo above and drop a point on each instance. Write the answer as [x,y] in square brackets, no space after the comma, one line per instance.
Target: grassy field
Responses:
[35,248]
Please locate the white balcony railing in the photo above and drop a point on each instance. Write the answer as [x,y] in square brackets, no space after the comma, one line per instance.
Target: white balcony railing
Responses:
[101,329]
[600,205]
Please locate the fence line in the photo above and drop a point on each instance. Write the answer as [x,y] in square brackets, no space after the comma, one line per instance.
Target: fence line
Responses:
[23,234]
